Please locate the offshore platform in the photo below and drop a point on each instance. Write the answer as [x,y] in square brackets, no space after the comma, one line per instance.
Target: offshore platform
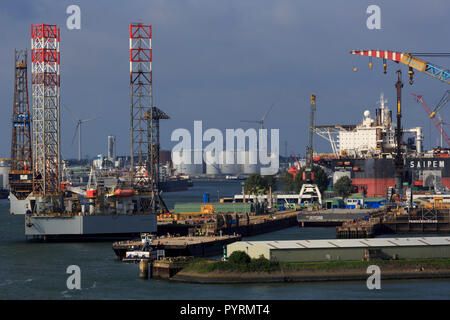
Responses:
[53,207]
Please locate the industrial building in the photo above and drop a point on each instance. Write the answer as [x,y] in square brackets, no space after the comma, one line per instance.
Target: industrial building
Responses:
[112,148]
[345,249]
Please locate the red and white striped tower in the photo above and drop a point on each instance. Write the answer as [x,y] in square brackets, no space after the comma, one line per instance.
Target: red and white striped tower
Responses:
[141,133]
[45,83]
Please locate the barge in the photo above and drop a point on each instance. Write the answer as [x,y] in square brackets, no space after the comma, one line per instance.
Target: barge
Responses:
[197,246]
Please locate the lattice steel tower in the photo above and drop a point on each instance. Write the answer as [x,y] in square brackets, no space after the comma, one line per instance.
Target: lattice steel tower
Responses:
[144,130]
[45,58]
[20,177]
[141,99]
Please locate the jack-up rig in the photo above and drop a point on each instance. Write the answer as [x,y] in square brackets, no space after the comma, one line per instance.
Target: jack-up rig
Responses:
[116,207]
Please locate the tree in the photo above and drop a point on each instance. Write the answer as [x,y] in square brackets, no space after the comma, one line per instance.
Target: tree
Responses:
[270,182]
[343,186]
[287,181]
[239,257]
[256,183]
[320,178]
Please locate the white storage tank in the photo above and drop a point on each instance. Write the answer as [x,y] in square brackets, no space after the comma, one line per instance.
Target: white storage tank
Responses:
[250,165]
[272,167]
[212,164]
[230,168]
[184,163]
[4,173]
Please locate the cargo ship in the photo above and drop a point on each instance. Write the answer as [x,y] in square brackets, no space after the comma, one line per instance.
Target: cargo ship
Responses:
[177,184]
[364,153]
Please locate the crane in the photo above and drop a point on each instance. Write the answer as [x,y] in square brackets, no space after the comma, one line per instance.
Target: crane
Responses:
[310,192]
[441,103]
[437,123]
[261,122]
[411,60]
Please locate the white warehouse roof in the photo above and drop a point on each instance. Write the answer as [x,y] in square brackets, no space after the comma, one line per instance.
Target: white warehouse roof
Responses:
[351,243]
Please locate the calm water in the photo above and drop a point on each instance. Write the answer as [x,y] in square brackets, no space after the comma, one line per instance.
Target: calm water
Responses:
[38,270]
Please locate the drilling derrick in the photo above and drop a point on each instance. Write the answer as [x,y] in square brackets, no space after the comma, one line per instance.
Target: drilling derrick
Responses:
[141,100]
[45,58]
[20,177]
[144,131]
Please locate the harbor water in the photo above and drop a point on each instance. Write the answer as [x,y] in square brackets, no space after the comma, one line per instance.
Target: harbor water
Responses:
[38,270]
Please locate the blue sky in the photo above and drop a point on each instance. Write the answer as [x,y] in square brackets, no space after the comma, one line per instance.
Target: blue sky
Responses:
[224,61]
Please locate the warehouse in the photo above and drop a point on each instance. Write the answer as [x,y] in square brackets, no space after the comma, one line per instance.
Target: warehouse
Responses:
[345,249]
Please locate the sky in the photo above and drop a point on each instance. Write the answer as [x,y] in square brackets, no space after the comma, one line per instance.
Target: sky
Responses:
[225,61]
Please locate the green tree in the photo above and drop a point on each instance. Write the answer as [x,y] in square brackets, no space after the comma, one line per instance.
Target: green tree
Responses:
[343,187]
[270,182]
[256,183]
[287,181]
[320,178]
[239,257]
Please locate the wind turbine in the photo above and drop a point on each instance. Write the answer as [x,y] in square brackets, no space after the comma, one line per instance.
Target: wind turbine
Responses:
[79,122]
[261,122]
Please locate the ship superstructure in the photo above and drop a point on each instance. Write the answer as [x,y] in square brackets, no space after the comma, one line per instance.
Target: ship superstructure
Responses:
[374,137]
[365,153]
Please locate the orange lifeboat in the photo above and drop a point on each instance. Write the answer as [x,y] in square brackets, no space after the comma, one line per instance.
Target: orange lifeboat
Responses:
[123,193]
[91,193]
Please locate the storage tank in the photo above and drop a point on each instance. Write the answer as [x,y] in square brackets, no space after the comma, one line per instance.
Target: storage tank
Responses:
[4,173]
[229,168]
[189,168]
[212,164]
[250,165]
[272,167]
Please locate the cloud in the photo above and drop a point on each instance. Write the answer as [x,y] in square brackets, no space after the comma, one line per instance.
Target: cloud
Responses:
[223,61]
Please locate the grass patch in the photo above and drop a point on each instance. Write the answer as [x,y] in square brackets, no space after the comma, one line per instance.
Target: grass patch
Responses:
[263,265]
[348,265]
[238,263]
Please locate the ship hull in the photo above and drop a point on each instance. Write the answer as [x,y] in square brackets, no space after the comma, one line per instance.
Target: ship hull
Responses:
[18,206]
[174,185]
[373,176]
[89,227]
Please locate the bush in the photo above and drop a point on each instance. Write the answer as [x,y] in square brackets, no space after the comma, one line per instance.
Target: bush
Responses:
[343,186]
[239,257]
[262,264]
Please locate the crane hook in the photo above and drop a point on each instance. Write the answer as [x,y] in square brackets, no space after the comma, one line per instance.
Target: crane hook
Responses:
[411,74]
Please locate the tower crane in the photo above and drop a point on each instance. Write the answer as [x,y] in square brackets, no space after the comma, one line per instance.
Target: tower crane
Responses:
[411,60]
[441,103]
[437,123]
